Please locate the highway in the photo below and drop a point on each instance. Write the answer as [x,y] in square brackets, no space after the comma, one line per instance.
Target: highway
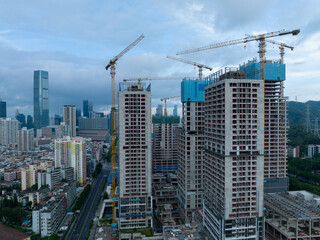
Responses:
[80,227]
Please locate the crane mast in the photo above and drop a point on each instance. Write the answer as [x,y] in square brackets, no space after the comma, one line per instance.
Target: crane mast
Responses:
[112,67]
[165,103]
[199,65]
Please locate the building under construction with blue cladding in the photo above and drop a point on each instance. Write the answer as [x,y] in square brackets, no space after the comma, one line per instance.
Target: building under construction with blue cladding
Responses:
[190,148]
[275,123]
[274,70]
[192,90]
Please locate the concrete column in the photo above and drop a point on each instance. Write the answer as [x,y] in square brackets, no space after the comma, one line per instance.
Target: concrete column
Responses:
[297,229]
[310,223]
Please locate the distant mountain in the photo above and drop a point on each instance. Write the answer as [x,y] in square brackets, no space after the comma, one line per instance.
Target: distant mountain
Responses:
[297,112]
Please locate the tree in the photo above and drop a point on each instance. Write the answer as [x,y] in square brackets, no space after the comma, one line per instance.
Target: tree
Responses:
[34,187]
[54,237]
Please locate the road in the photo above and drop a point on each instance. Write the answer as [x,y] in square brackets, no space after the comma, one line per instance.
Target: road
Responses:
[80,228]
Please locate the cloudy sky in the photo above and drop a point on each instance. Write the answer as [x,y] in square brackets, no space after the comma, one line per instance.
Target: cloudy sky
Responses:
[75,39]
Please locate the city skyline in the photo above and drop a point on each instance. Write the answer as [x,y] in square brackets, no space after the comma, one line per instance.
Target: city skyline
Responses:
[75,52]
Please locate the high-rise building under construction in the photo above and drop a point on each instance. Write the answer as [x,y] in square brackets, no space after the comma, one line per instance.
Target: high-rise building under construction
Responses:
[135,194]
[164,147]
[190,148]
[275,124]
[234,149]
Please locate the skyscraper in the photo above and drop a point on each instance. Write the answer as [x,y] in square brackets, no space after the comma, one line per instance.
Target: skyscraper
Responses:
[87,108]
[22,119]
[41,99]
[3,109]
[135,194]
[78,115]
[175,110]
[234,149]
[69,118]
[57,119]
[159,110]
[29,122]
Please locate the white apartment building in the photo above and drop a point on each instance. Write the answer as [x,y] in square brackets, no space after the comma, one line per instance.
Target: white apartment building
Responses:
[8,131]
[46,219]
[62,130]
[71,152]
[25,140]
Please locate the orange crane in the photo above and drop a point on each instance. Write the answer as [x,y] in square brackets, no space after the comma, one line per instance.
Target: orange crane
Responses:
[199,65]
[112,66]
[261,38]
[165,103]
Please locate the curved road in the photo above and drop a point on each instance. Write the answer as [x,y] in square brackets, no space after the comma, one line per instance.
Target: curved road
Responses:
[80,227]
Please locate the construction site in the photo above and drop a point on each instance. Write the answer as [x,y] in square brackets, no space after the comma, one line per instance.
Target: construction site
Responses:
[290,215]
[232,135]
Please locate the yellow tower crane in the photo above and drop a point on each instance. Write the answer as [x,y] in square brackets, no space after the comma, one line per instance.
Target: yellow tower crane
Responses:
[261,38]
[199,65]
[151,79]
[112,66]
[281,47]
[165,103]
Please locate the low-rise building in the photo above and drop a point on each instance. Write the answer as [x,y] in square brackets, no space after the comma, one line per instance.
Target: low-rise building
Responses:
[10,176]
[46,218]
[313,149]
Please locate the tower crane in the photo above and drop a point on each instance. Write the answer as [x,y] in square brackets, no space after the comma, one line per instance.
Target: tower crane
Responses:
[281,47]
[199,65]
[261,38]
[165,103]
[112,66]
[151,78]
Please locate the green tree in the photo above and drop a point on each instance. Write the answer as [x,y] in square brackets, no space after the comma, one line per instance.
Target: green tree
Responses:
[54,237]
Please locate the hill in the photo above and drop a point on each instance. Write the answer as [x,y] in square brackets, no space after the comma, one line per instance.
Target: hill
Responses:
[297,112]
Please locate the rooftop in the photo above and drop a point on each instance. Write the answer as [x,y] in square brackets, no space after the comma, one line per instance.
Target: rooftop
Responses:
[186,231]
[134,86]
[290,207]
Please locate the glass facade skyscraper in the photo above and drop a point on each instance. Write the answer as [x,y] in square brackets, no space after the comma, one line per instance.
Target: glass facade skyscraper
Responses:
[87,108]
[3,109]
[41,99]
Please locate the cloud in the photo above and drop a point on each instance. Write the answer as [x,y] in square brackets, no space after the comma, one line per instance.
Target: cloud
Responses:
[74,40]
